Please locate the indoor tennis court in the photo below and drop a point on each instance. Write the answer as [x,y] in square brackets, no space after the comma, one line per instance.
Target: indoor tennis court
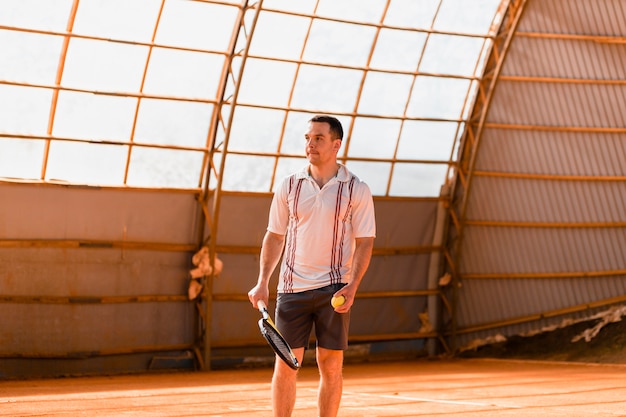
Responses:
[466,387]
[141,143]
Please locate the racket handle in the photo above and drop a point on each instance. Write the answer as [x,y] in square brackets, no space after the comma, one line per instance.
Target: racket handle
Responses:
[261,305]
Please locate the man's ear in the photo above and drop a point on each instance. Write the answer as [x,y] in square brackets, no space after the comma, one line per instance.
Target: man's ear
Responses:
[337,144]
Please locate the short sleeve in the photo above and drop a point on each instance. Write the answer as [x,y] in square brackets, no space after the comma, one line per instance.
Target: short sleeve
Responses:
[279,210]
[363,214]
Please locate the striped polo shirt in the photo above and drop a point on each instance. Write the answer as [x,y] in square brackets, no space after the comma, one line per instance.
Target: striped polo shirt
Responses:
[320,227]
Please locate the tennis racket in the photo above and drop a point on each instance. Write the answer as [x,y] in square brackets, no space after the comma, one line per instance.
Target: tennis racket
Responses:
[275,339]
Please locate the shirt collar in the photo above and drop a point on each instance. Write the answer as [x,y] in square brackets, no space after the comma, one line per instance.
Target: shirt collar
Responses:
[342,174]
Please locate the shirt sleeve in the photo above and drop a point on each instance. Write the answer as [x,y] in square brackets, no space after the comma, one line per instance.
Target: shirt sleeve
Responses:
[279,211]
[363,214]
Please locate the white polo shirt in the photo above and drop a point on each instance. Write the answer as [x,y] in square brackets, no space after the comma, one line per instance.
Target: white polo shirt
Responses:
[320,227]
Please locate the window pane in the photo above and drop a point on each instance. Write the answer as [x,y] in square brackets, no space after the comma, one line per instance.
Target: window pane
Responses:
[86,163]
[102,18]
[466,16]
[398,50]
[169,122]
[21,158]
[279,35]
[267,82]
[328,43]
[374,138]
[424,180]
[385,94]
[34,58]
[183,74]
[248,173]
[104,66]
[91,116]
[36,14]
[438,97]
[195,24]
[412,13]
[375,174]
[454,55]
[427,140]
[327,89]
[24,110]
[151,167]
[300,6]
[256,130]
[358,10]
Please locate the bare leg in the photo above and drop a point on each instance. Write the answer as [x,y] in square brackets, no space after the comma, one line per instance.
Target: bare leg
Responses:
[284,386]
[330,363]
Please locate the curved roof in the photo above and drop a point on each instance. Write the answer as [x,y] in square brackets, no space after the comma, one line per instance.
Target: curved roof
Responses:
[153,93]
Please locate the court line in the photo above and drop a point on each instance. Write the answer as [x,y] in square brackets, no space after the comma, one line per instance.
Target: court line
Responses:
[430,400]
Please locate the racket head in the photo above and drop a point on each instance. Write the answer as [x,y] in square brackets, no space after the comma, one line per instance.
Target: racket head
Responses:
[278,343]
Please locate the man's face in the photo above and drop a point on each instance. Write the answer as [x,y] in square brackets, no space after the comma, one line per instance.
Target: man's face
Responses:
[321,147]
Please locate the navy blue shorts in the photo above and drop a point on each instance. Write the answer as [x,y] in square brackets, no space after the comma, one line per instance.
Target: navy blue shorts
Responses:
[298,313]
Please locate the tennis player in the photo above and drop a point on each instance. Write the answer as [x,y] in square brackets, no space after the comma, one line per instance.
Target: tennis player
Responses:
[322,224]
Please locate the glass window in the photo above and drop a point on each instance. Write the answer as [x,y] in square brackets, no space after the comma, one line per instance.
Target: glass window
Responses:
[324,89]
[104,66]
[400,75]
[196,24]
[248,173]
[451,55]
[279,35]
[267,82]
[86,163]
[367,11]
[21,158]
[412,179]
[438,97]
[412,13]
[168,122]
[24,110]
[94,116]
[465,16]
[34,58]
[426,140]
[256,130]
[339,43]
[36,14]
[375,174]
[103,18]
[398,50]
[183,74]
[374,138]
[169,168]
[300,6]
[385,94]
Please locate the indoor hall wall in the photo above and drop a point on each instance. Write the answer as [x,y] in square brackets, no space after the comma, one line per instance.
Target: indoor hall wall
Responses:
[93,280]
[544,239]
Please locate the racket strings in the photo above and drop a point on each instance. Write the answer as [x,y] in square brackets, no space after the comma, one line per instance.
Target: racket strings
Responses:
[282,348]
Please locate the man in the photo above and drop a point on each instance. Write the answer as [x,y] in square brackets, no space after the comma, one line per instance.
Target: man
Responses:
[323,219]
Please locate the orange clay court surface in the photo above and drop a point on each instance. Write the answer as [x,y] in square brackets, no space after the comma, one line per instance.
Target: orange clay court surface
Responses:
[463,387]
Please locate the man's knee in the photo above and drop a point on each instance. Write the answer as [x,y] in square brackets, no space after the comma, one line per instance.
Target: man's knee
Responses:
[330,362]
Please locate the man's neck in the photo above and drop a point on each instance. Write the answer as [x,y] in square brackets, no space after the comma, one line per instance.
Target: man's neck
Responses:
[322,175]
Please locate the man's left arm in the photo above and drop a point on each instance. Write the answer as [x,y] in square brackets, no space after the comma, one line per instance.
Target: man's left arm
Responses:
[360,263]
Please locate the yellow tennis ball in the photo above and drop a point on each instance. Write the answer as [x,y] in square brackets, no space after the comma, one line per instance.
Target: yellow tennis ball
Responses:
[337,301]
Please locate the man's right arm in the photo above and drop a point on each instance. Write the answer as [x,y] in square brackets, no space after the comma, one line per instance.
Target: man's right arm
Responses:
[271,251]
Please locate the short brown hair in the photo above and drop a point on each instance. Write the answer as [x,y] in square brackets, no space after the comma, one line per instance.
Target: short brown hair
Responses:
[335,125]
